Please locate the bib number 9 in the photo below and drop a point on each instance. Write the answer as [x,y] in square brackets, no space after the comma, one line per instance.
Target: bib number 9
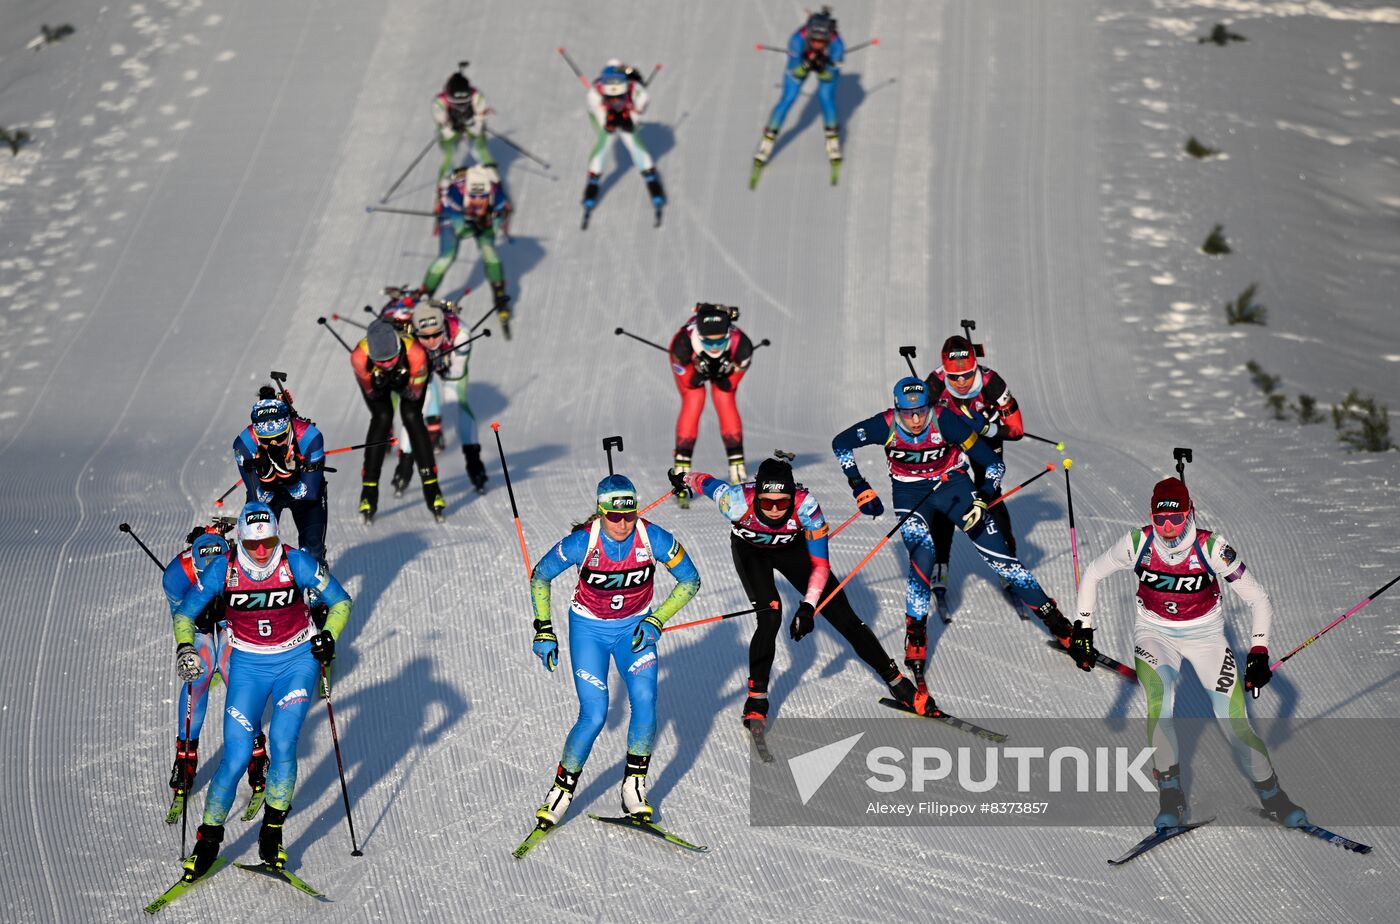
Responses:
[617,601]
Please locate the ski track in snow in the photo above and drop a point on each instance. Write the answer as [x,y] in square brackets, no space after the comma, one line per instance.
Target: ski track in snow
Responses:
[192,200]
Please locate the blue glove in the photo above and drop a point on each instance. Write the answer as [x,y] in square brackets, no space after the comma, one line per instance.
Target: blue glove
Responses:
[648,631]
[866,498]
[546,646]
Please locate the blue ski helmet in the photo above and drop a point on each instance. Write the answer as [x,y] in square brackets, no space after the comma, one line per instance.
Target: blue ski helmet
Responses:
[206,548]
[613,80]
[256,521]
[271,418]
[617,494]
[910,393]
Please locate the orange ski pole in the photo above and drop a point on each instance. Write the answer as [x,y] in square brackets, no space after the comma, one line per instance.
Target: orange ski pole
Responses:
[519,531]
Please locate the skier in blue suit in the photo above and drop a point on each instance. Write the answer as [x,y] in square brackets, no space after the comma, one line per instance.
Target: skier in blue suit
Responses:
[816,48]
[281,457]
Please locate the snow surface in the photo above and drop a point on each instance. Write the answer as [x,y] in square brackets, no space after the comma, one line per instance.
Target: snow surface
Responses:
[193,200]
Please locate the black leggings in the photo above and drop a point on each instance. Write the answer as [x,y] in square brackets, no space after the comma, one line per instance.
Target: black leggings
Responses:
[381,426]
[755,566]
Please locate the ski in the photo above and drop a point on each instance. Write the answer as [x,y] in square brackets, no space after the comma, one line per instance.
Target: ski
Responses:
[503,316]
[1330,837]
[760,743]
[177,805]
[657,222]
[951,720]
[647,827]
[1157,837]
[255,801]
[290,878]
[587,213]
[755,173]
[534,838]
[1100,659]
[183,886]
[835,172]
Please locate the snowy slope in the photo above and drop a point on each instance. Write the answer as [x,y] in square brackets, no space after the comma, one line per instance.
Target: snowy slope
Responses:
[193,200]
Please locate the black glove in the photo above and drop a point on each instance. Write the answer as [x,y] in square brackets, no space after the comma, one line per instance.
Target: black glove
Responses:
[1081,646]
[677,480]
[1257,672]
[323,647]
[802,621]
[704,366]
[865,496]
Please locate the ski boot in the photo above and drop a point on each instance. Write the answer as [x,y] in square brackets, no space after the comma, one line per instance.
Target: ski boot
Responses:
[916,648]
[270,849]
[765,146]
[682,467]
[186,762]
[475,470]
[590,192]
[634,788]
[1055,621]
[833,152]
[1277,805]
[557,800]
[916,698]
[435,432]
[432,493]
[1172,809]
[502,303]
[369,500]
[403,473]
[658,194]
[755,713]
[738,473]
[206,850]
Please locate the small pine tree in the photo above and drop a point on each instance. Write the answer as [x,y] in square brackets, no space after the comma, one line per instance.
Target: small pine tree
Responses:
[1215,244]
[16,139]
[1277,403]
[1243,310]
[1198,150]
[1262,380]
[1307,411]
[1371,430]
[1221,36]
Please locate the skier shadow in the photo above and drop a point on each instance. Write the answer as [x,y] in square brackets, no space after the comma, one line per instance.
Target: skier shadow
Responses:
[849,95]
[377,563]
[518,257]
[657,138]
[379,726]
[523,462]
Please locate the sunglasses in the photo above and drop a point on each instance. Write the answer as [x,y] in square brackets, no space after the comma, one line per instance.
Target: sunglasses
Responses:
[1173,519]
[260,545]
[774,504]
[717,343]
[387,363]
[960,376]
[913,413]
[615,516]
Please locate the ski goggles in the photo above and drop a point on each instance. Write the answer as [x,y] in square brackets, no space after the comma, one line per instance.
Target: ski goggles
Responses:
[774,505]
[714,344]
[265,544]
[1169,519]
[913,414]
[618,516]
[433,340]
[960,376]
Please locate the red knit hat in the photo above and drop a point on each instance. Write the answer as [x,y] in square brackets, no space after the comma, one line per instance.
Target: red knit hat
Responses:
[1170,496]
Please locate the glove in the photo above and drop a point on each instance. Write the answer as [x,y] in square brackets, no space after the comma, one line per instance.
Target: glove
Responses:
[866,497]
[1257,673]
[648,631]
[704,366]
[188,663]
[264,496]
[1081,646]
[323,647]
[546,646]
[973,517]
[298,491]
[678,485]
[800,72]
[802,621]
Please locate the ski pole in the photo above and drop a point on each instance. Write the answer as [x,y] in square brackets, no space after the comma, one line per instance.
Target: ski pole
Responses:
[848,521]
[515,511]
[1073,543]
[330,452]
[1277,664]
[420,213]
[467,342]
[186,780]
[652,76]
[759,46]
[574,67]
[481,320]
[498,135]
[701,622]
[322,322]
[421,154]
[126,528]
[762,343]
[351,321]
[340,765]
[1058,444]
[878,546]
[865,44]
[1049,467]
[658,502]
[651,343]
